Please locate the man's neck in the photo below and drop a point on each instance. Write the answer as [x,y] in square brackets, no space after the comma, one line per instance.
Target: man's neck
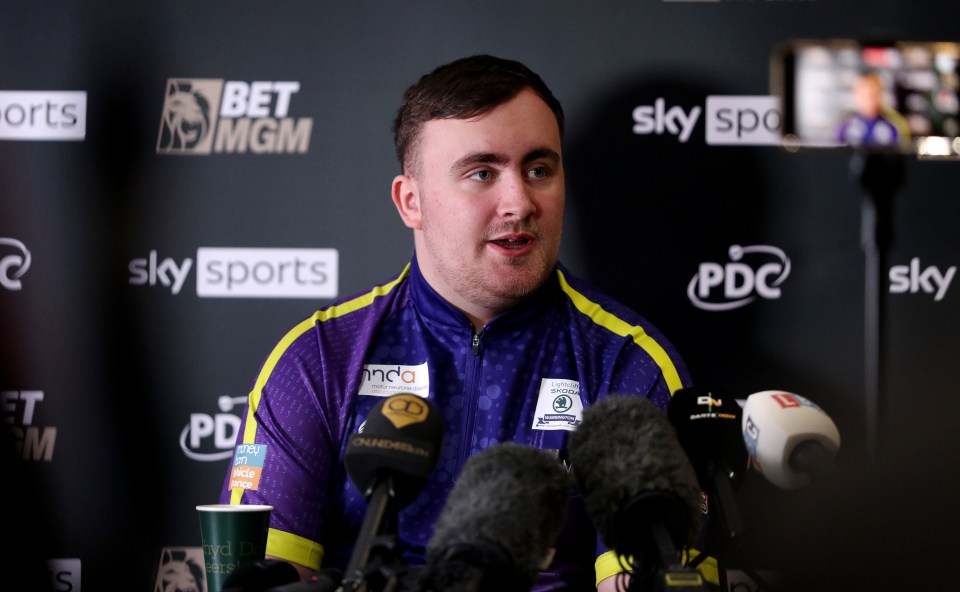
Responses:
[478,314]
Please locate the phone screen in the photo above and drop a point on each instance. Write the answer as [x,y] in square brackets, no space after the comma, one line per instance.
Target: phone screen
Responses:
[841,93]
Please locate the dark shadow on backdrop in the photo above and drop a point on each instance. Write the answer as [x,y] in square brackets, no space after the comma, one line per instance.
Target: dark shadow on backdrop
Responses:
[119,147]
[27,537]
[650,209]
[885,527]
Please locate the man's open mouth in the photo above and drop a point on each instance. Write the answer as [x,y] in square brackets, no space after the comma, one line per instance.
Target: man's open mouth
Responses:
[512,243]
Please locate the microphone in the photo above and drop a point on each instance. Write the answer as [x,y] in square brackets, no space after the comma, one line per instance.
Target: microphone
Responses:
[789,438]
[639,488]
[389,462]
[499,524]
[708,424]
[324,580]
[265,574]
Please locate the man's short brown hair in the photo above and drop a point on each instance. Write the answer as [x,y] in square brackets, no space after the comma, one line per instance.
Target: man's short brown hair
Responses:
[462,89]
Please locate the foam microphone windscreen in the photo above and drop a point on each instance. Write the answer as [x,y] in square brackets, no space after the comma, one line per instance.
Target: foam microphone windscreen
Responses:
[509,496]
[632,472]
[402,437]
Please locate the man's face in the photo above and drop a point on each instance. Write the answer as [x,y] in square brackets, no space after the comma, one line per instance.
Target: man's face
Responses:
[868,96]
[486,201]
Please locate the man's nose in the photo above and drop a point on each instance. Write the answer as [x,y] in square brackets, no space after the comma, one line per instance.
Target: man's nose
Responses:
[516,198]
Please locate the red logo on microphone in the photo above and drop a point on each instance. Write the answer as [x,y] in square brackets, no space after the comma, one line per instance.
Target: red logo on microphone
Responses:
[786,401]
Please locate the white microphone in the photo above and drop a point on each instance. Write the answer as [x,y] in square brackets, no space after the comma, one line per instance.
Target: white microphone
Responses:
[789,438]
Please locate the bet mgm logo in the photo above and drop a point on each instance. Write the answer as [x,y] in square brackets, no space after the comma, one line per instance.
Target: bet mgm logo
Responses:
[213,116]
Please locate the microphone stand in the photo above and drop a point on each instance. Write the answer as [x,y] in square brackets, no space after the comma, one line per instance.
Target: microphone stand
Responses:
[728,512]
[726,501]
[671,575]
[649,526]
[880,175]
[376,564]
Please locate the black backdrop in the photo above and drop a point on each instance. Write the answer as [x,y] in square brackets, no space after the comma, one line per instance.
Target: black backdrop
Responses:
[138,374]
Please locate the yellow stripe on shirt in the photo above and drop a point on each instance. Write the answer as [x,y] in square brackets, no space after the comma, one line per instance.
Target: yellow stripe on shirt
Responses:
[625,329]
[332,312]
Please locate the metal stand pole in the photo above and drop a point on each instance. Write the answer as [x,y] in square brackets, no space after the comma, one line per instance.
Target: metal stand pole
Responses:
[879,175]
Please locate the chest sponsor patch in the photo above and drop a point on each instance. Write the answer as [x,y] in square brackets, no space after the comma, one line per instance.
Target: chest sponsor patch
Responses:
[385,380]
[558,405]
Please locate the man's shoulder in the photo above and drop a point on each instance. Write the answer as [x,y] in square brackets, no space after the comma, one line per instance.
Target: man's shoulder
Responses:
[371,300]
[595,303]
[351,315]
[612,322]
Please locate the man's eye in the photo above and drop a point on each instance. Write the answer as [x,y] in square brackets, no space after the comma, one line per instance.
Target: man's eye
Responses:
[538,172]
[484,175]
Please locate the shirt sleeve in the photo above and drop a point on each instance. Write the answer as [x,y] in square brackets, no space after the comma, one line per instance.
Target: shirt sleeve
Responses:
[287,431]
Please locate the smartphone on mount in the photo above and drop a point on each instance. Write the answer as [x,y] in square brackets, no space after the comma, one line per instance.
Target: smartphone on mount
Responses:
[899,96]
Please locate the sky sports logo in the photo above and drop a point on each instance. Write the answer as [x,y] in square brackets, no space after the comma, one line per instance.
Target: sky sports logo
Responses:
[206,115]
[43,115]
[244,272]
[729,120]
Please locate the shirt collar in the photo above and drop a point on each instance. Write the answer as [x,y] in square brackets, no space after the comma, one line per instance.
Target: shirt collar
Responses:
[434,307]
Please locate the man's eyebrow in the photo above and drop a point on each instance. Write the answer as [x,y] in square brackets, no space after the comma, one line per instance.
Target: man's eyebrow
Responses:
[541,153]
[475,158]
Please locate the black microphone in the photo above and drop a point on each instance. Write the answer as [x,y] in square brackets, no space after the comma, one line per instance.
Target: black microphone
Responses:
[256,576]
[499,524]
[389,462]
[639,489]
[324,580]
[708,424]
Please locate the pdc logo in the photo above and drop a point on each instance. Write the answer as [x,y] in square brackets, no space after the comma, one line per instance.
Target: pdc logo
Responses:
[14,262]
[204,116]
[208,438]
[752,271]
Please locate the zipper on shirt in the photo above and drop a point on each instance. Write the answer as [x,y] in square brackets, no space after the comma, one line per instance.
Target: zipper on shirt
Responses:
[472,370]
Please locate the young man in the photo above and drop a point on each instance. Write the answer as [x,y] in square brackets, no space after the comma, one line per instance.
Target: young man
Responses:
[484,322]
[872,124]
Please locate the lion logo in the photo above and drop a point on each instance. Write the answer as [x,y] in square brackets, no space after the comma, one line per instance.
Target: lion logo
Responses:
[188,116]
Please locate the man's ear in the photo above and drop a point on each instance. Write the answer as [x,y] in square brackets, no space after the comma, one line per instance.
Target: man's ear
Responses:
[406,197]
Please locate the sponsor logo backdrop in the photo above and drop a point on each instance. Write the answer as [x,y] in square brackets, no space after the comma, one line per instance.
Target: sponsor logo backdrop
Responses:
[146,270]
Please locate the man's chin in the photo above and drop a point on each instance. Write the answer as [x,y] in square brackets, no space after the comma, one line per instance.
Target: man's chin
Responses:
[517,282]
